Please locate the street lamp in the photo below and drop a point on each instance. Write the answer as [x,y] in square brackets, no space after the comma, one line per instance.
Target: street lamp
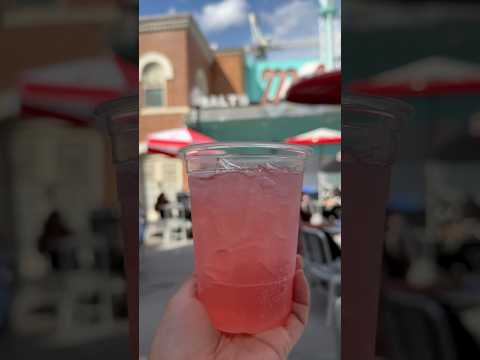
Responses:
[328,10]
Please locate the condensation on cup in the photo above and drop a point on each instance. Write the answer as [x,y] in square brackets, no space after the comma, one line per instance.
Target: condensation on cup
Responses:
[370,128]
[119,121]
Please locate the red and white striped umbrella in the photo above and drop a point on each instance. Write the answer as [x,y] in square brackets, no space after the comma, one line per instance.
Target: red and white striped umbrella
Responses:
[321,136]
[72,90]
[432,76]
[170,142]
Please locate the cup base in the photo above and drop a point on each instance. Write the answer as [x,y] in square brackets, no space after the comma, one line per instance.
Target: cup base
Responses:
[247,309]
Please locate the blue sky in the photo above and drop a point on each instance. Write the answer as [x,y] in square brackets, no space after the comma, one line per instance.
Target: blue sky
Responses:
[225,23]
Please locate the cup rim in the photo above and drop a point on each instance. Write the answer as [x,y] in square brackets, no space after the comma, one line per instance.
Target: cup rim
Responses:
[125,107]
[290,150]
[394,111]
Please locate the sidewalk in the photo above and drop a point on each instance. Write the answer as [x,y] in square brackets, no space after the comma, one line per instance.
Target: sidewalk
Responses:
[161,272]
[112,347]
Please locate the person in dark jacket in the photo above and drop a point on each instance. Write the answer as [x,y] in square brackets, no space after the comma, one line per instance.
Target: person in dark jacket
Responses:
[162,201]
[50,240]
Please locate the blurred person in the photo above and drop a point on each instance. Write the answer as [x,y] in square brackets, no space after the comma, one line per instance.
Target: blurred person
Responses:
[306,208]
[400,246]
[50,241]
[185,317]
[331,210]
[188,210]
[162,201]
[305,216]
[459,240]
[337,192]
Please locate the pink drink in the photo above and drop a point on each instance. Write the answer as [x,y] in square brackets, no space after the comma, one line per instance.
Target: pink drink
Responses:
[245,225]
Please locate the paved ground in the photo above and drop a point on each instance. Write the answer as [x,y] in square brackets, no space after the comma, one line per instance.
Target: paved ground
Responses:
[112,347]
[162,271]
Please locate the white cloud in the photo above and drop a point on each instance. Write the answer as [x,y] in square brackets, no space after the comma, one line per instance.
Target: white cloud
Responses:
[222,15]
[293,20]
[171,11]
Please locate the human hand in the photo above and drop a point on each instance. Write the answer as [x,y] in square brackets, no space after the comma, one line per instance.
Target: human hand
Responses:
[186,332]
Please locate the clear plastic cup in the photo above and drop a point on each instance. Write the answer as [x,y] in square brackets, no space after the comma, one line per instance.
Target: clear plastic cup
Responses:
[245,212]
[119,119]
[370,128]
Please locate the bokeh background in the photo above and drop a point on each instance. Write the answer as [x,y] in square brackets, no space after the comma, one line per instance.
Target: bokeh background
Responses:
[425,53]
[62,282]
[220,71]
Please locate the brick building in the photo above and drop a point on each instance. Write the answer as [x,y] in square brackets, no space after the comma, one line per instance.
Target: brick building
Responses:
[175,62]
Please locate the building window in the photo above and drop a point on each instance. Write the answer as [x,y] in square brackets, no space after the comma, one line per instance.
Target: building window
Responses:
[201,81]
[154,85]
[155,69]
[154,97]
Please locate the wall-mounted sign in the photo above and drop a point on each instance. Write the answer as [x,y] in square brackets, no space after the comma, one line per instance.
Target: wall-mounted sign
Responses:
[219,101]
[268,81]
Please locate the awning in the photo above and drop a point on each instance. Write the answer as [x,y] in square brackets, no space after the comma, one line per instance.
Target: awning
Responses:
[170,142]
[425,77]
[72,90]
[321,136]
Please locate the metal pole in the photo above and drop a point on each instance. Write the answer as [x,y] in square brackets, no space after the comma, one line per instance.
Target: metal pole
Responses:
[327,13]
[329,41]
[321,44]
[198,117]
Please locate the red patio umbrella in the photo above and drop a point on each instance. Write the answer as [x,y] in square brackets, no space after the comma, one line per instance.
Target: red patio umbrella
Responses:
[425,77]
[319,89]
[72,90]
[321,136]
[170,142]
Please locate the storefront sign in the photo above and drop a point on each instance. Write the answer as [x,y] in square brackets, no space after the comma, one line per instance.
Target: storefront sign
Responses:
[268,81]
[220,101]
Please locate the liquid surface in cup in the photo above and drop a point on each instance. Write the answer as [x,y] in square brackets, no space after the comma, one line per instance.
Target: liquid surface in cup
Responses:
[245,226]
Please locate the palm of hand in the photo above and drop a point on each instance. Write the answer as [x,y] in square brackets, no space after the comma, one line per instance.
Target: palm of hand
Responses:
[186,331]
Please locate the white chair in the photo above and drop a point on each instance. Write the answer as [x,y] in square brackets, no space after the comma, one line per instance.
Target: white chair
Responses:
[175,228]
[319,266]
[91,278]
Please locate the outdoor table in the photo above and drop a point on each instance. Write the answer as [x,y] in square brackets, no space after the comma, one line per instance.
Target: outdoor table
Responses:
[175,210]
[82,250]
